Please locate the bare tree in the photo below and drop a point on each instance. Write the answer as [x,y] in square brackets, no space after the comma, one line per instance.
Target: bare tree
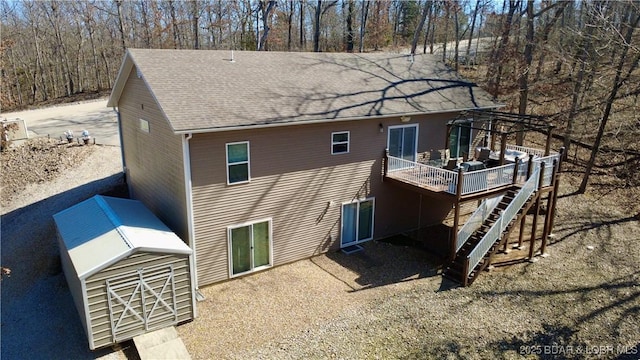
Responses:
[266,10]
[629,24]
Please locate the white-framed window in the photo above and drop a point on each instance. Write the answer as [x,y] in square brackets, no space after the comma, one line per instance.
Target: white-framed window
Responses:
[238,170]
[250,247]
[340,142]
[144,125]
[357,221]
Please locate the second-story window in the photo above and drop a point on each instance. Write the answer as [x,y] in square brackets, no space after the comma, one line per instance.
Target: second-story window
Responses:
[238,162]
[339,142]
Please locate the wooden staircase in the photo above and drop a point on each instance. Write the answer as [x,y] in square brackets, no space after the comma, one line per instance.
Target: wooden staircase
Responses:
[457,269]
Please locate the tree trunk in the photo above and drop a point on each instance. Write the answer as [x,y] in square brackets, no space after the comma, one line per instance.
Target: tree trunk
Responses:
[290,24]
[363,23]
[446,33]
[523,82]
[494,70]
[467,53]
[316,28]
[195,16]
[266,14]
[350,31]
[545,36]
[121,24]
[302,36]
[457,32]
[583,52]
[617,83]
[416,35]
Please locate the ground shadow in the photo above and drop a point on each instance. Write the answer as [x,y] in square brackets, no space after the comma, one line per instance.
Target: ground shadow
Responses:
[392,260]
[39,318]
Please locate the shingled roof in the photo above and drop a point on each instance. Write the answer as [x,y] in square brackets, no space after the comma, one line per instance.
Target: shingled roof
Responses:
[204,90]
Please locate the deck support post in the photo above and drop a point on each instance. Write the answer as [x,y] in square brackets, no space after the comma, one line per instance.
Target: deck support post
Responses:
[556,186]
[503,147]
[456,215]
[536,213]
[547,221]
[523,223]
[547,148]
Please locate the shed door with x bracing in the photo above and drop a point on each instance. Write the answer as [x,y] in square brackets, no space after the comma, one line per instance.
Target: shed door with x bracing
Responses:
[141,301]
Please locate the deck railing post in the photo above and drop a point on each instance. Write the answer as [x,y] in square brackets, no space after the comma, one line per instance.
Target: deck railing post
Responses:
[503,147]
[385,165]
[460,184]
[529,166]
[515,171]
[547,148]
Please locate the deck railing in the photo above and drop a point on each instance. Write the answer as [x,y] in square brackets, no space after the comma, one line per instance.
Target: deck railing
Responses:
[421,174]
[503,221]
[476,219]
[548,164]
[528,150]
[474,181]
[487,179]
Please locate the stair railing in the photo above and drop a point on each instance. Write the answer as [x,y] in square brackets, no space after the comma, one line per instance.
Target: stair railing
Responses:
[508,214]
[476,219]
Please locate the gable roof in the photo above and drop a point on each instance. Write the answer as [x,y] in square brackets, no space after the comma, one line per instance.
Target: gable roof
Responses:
[203,90]
[102,230]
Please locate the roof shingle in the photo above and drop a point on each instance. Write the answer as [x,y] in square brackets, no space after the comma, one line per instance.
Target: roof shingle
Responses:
[205,90]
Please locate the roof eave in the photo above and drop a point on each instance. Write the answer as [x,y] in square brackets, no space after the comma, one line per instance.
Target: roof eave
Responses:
[304,122]
[121,80]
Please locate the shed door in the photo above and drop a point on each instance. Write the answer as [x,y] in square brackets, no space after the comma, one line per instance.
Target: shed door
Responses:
[141,301]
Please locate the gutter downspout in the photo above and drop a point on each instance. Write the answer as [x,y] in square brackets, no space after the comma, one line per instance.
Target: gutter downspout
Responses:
[186,161]
[124,162]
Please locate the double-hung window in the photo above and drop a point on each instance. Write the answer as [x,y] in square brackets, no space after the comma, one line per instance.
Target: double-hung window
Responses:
[238,162]
[339,142]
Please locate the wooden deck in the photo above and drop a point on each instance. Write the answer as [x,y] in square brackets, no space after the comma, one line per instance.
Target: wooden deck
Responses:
[466,185]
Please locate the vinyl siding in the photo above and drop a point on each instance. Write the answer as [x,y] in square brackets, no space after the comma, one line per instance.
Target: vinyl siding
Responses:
[74,283]
[155,171]
[298,183]
[97,299]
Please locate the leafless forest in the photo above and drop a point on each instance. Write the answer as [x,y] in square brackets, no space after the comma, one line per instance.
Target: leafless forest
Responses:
[576,62]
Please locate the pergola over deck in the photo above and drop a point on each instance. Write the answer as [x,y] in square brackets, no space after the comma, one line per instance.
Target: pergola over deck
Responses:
[498,126]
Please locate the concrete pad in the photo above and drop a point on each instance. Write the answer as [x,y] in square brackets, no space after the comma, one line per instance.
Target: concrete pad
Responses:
[93,116]
[161,344]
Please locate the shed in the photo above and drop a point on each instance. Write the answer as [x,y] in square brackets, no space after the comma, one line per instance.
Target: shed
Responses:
[127,271]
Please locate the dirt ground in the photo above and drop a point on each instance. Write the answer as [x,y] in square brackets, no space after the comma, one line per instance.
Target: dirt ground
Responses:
[388,301]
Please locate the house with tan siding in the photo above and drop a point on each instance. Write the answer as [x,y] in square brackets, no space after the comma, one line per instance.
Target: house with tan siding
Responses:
[258,159]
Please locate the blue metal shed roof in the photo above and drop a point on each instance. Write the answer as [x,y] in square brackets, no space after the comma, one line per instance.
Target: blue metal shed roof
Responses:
[102,230]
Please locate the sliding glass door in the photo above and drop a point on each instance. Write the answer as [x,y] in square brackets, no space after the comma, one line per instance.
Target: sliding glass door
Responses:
[357,222]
